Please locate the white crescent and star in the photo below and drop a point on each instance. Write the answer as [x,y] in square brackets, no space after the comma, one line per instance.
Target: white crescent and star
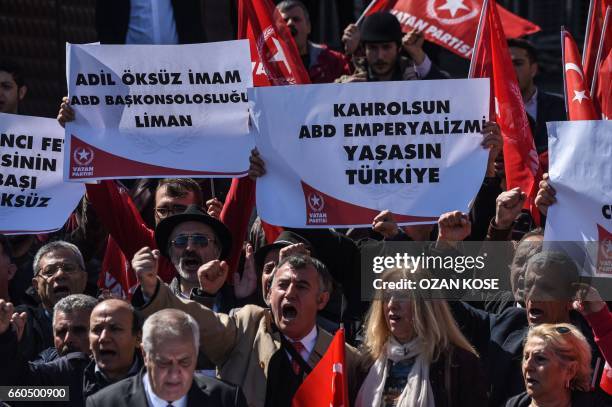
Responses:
[579,95]
[573,67]
[453,6]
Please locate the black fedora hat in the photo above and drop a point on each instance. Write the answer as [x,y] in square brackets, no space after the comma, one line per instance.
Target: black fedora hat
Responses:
[193,213]
[284,239]
[381,26]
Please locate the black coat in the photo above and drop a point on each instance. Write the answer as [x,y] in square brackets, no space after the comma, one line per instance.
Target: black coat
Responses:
[113,18]
[579,399]
[204,391]
[75,370]
[37,334]
[551,108]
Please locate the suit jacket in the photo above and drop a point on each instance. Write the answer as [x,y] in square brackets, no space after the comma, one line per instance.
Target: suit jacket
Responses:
[204,391]
[551,108]
[113,18]
[242,345]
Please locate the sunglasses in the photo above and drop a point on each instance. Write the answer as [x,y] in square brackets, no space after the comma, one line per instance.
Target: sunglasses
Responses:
[197,240]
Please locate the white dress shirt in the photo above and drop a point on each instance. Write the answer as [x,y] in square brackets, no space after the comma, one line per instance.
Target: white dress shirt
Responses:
[155,401]
[309,342]
[531,106]
[151,22]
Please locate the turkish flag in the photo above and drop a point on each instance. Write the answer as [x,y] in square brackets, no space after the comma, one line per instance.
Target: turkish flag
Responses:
[491,59]
[594,29]
[606,379]
[452,24]
[603,79]
[275,57]
[577,96]
[327,384]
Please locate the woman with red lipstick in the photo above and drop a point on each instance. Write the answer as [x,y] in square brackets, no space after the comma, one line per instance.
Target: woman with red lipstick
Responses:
[557,369]
[418,355]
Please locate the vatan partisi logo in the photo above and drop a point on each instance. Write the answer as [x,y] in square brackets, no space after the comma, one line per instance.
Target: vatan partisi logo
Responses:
[278,56]
[315,202]
[453,7]
[83,156]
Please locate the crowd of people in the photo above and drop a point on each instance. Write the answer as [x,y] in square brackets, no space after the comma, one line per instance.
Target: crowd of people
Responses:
[213,312]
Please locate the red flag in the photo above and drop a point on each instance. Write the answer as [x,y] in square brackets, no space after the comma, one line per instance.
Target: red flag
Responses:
[452,24]
[327,384]
[276,60]
[602,82]
[578,100]
[606,379]
[492,60]
[376,6]
[597,11]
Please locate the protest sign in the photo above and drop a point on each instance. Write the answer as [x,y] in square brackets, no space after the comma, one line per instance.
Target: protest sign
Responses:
[580,172]
[158,110]
[33,196]
[337,154]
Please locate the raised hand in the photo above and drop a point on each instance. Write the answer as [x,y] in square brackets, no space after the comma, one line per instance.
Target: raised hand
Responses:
[145,264]
[453,227]
[246,284]
[212,276]
[546,195]
[508,205]
[384,223]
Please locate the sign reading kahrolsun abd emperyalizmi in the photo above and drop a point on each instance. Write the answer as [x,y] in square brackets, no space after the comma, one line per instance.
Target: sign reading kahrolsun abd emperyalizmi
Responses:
[337,154]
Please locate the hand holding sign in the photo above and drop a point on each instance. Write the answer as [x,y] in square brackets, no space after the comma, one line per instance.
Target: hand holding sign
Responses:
[546,195]
[385,224]
[66,112]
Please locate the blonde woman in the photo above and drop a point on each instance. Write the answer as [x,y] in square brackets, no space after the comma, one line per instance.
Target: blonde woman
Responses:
[418,357]
[557,369]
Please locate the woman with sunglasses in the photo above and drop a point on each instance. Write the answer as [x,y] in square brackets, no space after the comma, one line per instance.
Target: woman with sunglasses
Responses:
[557,369]
[418,357]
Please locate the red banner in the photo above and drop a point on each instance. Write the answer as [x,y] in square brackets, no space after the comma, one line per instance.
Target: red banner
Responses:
[452,24]
[492,60]
[597,11]
[603,80]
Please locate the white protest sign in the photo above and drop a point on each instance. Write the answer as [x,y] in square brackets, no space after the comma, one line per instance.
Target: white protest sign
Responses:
[580,154]
[33,196]
[158,110]
[337,154]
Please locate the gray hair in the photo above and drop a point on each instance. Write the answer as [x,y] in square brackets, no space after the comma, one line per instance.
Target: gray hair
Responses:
[166,324]
[75,302]
[57,245]
[285,5]
[300,261]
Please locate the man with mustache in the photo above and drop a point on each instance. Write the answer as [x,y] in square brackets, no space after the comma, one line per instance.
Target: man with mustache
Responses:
[59,271]
[323,64]
[70,327]
[265,351]
[114,341]
[389,54]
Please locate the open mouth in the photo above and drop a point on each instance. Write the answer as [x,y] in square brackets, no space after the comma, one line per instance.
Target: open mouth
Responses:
[394,318]
[289,312]
[61,290]
[191,262]
[294,31]
[530,381]
[105,353]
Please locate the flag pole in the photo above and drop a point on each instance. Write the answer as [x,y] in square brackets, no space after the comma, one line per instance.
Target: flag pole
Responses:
[600,49]
[365,12]
[212,187]
[563,66]
[588,29]
[483,10]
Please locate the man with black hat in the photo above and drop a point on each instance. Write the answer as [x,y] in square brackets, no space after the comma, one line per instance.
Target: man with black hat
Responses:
[197,245]
[383,41]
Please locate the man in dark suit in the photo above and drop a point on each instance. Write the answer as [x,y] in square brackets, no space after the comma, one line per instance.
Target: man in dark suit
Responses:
[170,346]
[541,106]
[149,22]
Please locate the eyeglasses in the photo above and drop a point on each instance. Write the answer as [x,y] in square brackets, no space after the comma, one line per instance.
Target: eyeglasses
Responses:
[197,240]
[51,270]
[165,211]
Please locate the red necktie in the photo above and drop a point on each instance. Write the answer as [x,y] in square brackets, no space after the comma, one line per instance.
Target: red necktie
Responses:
[299,347]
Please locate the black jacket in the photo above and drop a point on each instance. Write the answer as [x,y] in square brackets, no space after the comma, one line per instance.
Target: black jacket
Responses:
[551,108]
[75,370]
[37,334]
[113,18]
[204,391]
